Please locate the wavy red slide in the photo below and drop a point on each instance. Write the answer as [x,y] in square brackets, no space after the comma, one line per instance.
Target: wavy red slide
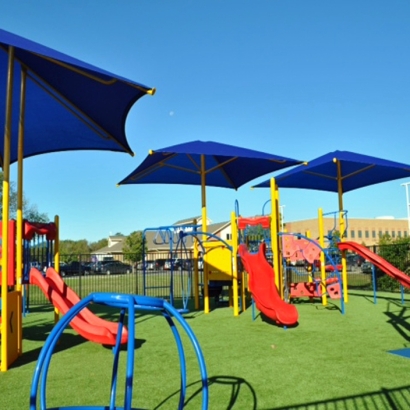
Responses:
[263,288]
[376,260]
[86,323]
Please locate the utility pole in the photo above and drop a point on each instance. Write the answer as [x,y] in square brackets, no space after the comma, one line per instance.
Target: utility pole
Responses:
[406,185]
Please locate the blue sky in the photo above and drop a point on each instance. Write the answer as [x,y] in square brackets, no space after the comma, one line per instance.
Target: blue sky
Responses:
[294,78]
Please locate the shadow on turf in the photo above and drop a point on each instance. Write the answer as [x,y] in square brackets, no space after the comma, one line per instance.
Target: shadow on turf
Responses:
[393,399]
[400,322]
[39,332]
[230,383]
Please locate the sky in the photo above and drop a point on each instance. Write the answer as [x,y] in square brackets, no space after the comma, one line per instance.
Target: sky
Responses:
[293,78]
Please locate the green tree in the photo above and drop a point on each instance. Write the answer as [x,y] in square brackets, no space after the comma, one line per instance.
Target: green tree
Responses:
[134,246]
[397,253]
[74,250]
[95,246]
[30,212]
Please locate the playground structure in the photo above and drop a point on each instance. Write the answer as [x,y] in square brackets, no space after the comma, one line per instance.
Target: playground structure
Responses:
[173,243]
[20,254]
[213,254]
[86,323]
[128,305]
[221,267]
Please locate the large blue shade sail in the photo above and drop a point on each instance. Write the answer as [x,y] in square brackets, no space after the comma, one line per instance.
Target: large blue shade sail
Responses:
[69,104]
[222,165]
[341,171]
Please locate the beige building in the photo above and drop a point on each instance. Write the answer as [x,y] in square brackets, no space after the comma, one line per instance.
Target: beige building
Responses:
[363,231]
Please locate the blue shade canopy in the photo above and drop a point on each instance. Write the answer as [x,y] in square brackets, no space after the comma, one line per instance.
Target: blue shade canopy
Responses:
[223,165]
[70,105]
[341,171]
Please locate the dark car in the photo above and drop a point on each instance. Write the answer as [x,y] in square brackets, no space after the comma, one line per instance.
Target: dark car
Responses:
[367,267]
[96,267]
[74,268]
[115,267]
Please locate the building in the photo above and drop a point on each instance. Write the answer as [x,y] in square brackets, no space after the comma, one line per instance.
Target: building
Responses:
[112,251]
[158,239]
[363,231]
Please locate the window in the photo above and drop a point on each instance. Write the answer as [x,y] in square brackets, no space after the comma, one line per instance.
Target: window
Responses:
[386,233]
[393,234]
[366,234]
[352,234]
[380,234]
[399,234]
[405,234]
[373,234]
[359,233]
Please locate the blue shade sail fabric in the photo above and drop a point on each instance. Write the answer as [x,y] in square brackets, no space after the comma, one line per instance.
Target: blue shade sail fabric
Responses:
[225,166]
[341,170]
[70,105]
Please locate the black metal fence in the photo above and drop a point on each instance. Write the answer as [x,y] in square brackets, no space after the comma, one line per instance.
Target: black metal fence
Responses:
[156,278]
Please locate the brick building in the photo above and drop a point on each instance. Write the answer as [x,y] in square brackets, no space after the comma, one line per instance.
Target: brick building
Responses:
[366,231]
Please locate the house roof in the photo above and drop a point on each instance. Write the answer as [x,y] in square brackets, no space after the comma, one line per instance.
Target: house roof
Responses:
[157,242]
[188,221]
[115,248]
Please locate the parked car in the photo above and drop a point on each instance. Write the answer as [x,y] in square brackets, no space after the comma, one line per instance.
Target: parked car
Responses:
[96,267]
[74,268]
[148,265]
[170,264]
[115,267]
[367,267]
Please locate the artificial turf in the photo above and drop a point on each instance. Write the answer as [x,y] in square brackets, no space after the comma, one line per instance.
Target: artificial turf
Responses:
[328,361]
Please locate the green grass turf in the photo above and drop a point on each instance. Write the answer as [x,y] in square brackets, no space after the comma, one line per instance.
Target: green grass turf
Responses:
[329,361]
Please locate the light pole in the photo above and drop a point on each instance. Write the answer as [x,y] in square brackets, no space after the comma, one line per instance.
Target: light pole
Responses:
[281,207]
[406,184]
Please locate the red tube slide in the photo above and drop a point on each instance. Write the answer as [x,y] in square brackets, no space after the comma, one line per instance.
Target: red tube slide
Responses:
[86,323]
[376,260]
[263,288]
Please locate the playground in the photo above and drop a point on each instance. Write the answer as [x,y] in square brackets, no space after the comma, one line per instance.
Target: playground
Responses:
[261,348]
[329,361]
[278,341]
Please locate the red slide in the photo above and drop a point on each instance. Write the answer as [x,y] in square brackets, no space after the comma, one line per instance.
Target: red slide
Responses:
[86,323]
[263,288]
[376,260]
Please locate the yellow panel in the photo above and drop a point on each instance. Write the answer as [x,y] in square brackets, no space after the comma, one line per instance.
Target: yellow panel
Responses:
[219,260]
[13,324]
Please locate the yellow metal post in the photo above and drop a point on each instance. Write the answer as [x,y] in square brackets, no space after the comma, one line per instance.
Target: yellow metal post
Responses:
[57,258]
[344,265]
[235,272]
[322,257]
[19,233]
[196,272]
[204,229]
[274,235]
[341,226]
[5,213]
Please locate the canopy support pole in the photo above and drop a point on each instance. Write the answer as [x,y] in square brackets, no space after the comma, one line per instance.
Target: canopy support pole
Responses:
[5,213]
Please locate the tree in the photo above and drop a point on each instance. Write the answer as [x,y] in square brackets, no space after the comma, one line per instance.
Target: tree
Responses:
[134,246]
[94,246]
[397,253]
[73,250]
[30,212]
